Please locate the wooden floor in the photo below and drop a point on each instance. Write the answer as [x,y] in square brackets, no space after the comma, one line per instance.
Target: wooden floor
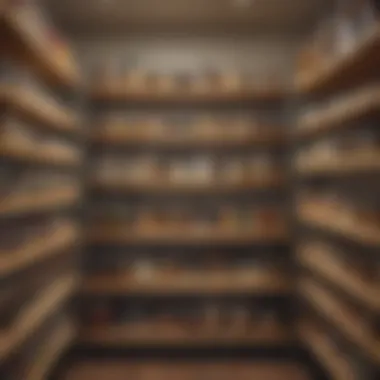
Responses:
[120,370]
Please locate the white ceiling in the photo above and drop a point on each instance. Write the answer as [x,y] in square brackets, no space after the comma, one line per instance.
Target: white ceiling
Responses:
[120,16]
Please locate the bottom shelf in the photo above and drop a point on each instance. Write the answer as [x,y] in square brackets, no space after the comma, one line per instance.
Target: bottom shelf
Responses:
[169,333]
[121,370]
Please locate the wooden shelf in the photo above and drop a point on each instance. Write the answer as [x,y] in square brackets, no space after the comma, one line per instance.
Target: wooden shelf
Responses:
[20,42]
[351,326]
[163,334]
[360,105]
[33,154]
[37,249]
[39,109]
[325,218]
[189,142]
[347,163]
[123,94]
[321,259]
[227,282]
[328,356]
[157,370]
[106,235]
[49,354]
[357,66]
[165,187]
[38,201]
[35,314]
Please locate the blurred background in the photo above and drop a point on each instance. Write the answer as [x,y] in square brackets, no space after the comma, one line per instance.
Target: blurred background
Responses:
[189,190]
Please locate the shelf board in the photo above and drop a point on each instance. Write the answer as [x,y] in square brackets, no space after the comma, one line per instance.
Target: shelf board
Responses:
[360,105]
[28,154]
[234,282]
[153,334]
[50,352]
[352,327]
[37,249]
[326,354]
[123,94]
[320,260]
[106,235]
[38,108]
[165,187]
[349,69]
[36,313]
[188,142]
[121,369]
[38,201]
[347,163]
[329,220]
[19,42]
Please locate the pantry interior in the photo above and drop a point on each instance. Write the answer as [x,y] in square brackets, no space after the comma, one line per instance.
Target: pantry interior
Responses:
[190,190]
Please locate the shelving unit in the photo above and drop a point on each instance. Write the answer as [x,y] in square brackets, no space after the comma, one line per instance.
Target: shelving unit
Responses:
[190,142]
[39,108]
[153,334]
[167,187]
[323,261]
[342,223]
[204,95]
[336,169]
[163,275]
[323,348]
[55,198]
[40,159]
[54,348]
[185,194]
[52,61]
[227,282]
[104,235]
[361,105]
[35,314]
[38,248]
[353,68]
[152,370]
[349,323]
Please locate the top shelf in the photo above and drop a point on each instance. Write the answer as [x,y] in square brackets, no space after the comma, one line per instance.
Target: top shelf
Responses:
[359,65]
[19,40]
[212,96]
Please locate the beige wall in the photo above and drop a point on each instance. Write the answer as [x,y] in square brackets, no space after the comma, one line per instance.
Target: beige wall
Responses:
[167,53]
